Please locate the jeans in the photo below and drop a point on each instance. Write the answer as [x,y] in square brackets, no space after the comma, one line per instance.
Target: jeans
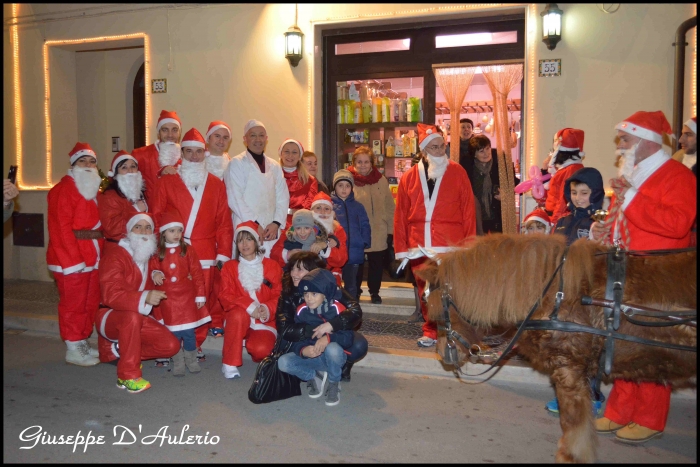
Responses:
[358,349]
[331,361]
[188,340]
[375,260]
[350,279]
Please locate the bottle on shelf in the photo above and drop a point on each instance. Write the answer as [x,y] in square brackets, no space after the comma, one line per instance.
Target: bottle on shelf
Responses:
[386,109]
[358,112]
[390,147]
[367,111]
[376,109]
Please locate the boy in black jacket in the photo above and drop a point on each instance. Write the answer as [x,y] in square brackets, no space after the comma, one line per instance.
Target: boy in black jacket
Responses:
[584,194]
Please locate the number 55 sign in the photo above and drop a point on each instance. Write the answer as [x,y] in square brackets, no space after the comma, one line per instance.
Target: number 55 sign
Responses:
[550,67]
[159,85]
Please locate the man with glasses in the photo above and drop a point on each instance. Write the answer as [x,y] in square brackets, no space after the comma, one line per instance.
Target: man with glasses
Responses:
[434,210]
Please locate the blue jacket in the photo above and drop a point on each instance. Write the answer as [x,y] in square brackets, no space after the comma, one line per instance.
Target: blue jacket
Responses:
[353,217]
[578,222]
[317,317]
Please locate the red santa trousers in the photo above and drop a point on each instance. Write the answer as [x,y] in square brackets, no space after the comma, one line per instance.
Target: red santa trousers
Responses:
[216,311]
[258,342]
[645,404]
[201,332]
[79,299]
[140,338]
[429,327]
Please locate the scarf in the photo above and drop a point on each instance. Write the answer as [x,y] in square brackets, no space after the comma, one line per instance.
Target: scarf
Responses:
[322,309]
[361,180]
[305,244]
[483,188]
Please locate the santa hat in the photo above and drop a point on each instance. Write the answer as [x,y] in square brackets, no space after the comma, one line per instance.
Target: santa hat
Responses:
[427,133]
[252,124]
[539,215]
[646,125]
[118,158]
[247,226]
[301,148]
[217,125]
[137,218]
[692,123]
[193,139]
[80,150]
[322,198]
[168,117]
[170,219]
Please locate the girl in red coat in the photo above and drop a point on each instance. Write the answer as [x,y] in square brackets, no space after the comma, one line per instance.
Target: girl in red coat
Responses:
[301,185]
[564,160]
[250,287]
[176,270]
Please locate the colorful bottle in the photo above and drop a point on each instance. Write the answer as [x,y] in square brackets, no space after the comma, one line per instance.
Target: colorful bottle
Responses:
[386,109]
[358,112]
[376,109]
[367,111]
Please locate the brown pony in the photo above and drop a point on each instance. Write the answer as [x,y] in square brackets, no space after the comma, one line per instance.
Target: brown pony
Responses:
[497,279]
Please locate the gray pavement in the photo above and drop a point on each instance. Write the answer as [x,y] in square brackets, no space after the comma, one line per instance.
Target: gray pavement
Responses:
[382,417]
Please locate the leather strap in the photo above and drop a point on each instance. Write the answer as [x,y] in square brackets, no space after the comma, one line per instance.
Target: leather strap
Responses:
[87,234]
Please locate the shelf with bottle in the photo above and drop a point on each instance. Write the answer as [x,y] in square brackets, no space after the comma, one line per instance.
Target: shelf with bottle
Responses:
[351,126]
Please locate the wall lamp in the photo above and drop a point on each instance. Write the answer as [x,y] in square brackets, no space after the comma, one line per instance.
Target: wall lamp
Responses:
[293,42]
[551,25]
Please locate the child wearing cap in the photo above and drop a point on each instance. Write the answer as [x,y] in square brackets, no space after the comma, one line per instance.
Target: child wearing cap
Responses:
[304,233]
[351,214]
[317,359]
[177,271]
[584,193]
[536,222]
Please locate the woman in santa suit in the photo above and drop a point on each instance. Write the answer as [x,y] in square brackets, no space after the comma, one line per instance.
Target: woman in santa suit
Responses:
[123,198]
[250,288]
[125,329]
[301,185]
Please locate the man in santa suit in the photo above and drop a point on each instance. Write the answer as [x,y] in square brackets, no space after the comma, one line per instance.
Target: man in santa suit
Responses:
[434,210]
[336,253]
[73,255]
[653,207]
[563,161]
[256,188]
[161,157]
[688,153]
[218,141]
[122,198]
[125,329]
[200,199]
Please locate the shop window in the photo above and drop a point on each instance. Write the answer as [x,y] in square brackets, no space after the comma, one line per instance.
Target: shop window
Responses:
[477,38]
[368,47]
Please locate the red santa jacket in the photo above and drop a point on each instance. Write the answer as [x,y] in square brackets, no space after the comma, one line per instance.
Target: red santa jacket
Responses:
[184,285]
[123,283]
[662,205]
[439,222]
[147,158]
[68,210]
[115,211]
[556,202]
[210,230]
[300,196]
[240,294]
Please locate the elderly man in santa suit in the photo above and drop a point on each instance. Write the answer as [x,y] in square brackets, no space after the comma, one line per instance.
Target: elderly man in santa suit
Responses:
[434,211]
[218,141]
[336,253]
[200,199]
[161,157]
[73,255]
[256,188]
[125,329]
[653,207]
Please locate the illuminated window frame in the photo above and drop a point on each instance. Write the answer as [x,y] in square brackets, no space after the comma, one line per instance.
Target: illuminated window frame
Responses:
[47,93]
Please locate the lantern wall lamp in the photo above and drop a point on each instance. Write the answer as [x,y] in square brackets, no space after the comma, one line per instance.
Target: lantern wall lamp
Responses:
[551,25]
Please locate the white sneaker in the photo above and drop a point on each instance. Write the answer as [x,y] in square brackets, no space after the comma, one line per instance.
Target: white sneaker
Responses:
[230,371]
[78,354]
[317,383]
[91,351]
[426,341]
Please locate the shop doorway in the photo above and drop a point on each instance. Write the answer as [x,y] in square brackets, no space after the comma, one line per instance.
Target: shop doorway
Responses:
[139,109]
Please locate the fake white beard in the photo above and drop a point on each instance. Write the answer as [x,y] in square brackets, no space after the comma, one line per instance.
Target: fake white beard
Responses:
[193,173]
[436,166]
[216,165]
[143,246]
[87,181]
[326,223]
[250,273]
[168,153]
[627,161]
[130,185]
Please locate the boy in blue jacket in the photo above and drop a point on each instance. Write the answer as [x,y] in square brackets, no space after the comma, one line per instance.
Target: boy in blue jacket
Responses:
[352,216]
[584,194]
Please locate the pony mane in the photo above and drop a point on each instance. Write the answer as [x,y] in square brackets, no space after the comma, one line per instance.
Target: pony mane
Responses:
[498,278]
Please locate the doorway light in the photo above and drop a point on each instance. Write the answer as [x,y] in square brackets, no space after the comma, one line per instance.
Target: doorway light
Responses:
[476,38]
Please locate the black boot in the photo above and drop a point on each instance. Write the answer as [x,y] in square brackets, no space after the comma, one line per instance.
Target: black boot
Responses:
[345,375]
[417,316]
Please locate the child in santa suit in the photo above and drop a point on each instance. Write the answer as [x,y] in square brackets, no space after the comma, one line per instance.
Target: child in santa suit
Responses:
[536,222]
[250,288]
[564,160]
[176,270]
[336,253]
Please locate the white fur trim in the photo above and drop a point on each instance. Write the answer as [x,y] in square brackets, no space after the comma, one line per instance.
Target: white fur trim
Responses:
[690,123]
[123,157]
[137,218]
[81,153]
[218,127]
[640,132]
[167,120]
[144,308]
[170,225]
[192,144]
[250,273]
[322,201]
[428,139]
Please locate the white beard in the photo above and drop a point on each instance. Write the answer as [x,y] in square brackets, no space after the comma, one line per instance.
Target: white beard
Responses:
[216,165]
[437,166]
[326,223]
[168,153]
[250,273]
[626,162]
[130,185]
[193,173]
[143,246]
[87,181]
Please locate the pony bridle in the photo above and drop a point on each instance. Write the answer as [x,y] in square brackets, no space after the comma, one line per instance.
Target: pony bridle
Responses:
[451,354]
